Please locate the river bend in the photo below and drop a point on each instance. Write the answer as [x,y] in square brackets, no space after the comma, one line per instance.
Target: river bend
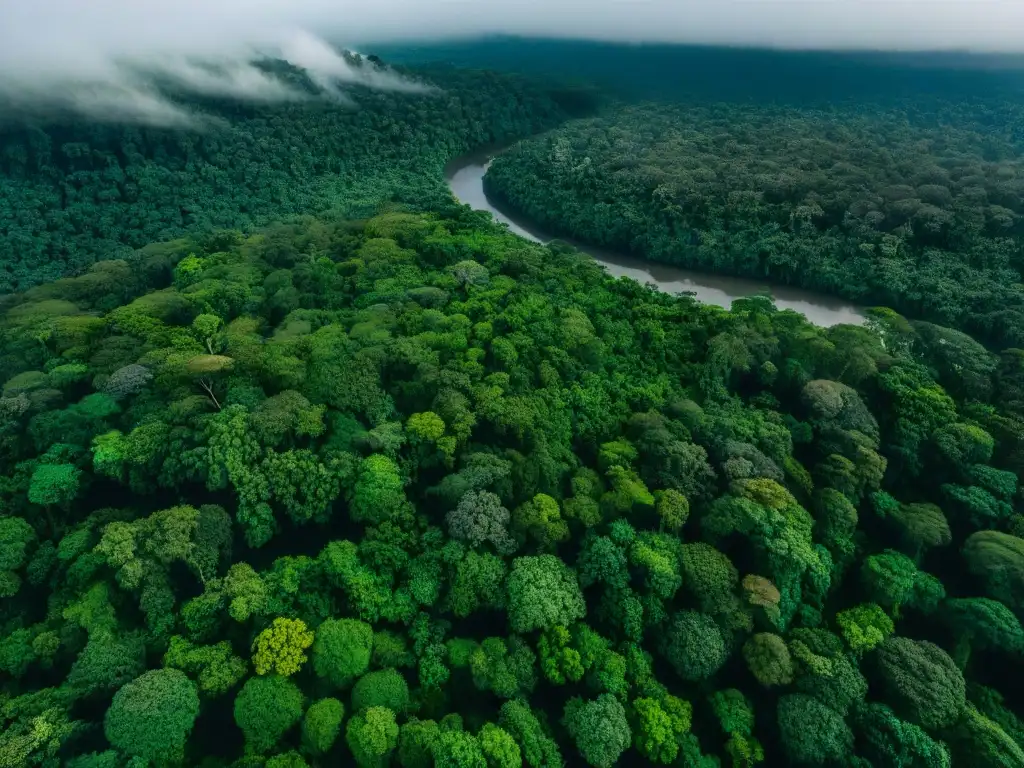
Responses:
[465,179]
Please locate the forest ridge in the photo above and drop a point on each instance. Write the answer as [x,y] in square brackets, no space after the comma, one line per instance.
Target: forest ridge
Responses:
[389,485]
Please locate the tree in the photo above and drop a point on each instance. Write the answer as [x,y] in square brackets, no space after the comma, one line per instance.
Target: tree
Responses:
[479,583]
[920,526]
[763,597]
[560,662]
[922,682]
[127,381]
[455,748]
[538,748]
[694,645]
[997,561]
[372,735]
[290,759]
[108,662]
[480,518]
[279,649]
[152,716]
[960,445]
[825,669]
[341,650]
[382,688]
[864,627]
[321,725]
[601,560]
[709,576]
[543,592]
[657,730]
[266,709]
[736,718]
[673,509]
[15,537]
[768,659]
[892,579]
[499,748]
[979,741]
[416,741]
[54,484]
[889,742]
[812,733]
[599,728]
[981,623]
[378,494]
[507,668]
[541,519]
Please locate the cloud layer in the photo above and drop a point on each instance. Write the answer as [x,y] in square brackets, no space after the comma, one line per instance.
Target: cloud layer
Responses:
[102,57]
[106,58]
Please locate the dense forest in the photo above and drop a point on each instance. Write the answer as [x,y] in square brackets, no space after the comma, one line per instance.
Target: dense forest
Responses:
[413,490]
[917,208]
[389,485]
[75,192]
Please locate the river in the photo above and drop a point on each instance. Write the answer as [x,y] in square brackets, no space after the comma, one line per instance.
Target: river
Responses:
[465,177]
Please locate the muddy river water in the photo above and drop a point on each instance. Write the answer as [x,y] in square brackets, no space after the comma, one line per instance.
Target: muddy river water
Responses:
[465,179]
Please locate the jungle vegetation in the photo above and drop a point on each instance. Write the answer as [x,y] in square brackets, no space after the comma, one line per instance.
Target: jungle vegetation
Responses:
[389,485]
[410,490]
[74,192]
[916,207]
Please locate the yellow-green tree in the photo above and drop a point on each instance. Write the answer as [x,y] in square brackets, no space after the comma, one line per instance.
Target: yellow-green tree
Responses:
[280,648]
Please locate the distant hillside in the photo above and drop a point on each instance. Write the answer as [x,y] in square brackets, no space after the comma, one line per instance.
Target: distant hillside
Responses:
[730,74]
[75,192]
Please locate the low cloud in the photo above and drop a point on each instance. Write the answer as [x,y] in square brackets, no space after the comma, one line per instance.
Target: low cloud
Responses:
[105,57]
[116,60]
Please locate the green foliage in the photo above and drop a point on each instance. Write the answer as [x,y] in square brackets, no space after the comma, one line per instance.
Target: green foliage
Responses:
[768,659]
[341,650]
[922,682]
[812,733]
[590,180]
[279,649]
[997,561]
[382,688]
[507,668]
[416,740]
[321,725]
[864,627]
[378,494]
[496,447]
[107,663]
[982,742]
[983,624]
[499,748]
[480,518]
[538,748]
[372,735]
[54,484]
[889,742]
[673,509]
[266,708]
[152,716]
[599,728]
[542,592]
[694,646]
[658,729]
[456,748]
[826,670]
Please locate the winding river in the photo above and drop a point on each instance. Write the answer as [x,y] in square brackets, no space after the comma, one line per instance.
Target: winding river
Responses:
[465,177]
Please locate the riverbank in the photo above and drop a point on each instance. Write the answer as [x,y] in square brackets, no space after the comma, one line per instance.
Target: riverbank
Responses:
[465,178]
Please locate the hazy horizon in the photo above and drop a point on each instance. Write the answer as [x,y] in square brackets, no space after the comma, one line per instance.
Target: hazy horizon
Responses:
[101,58]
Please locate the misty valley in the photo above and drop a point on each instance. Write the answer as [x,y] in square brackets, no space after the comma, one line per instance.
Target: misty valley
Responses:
[509,402]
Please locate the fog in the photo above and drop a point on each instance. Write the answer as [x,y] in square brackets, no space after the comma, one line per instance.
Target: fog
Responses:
[102,57]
